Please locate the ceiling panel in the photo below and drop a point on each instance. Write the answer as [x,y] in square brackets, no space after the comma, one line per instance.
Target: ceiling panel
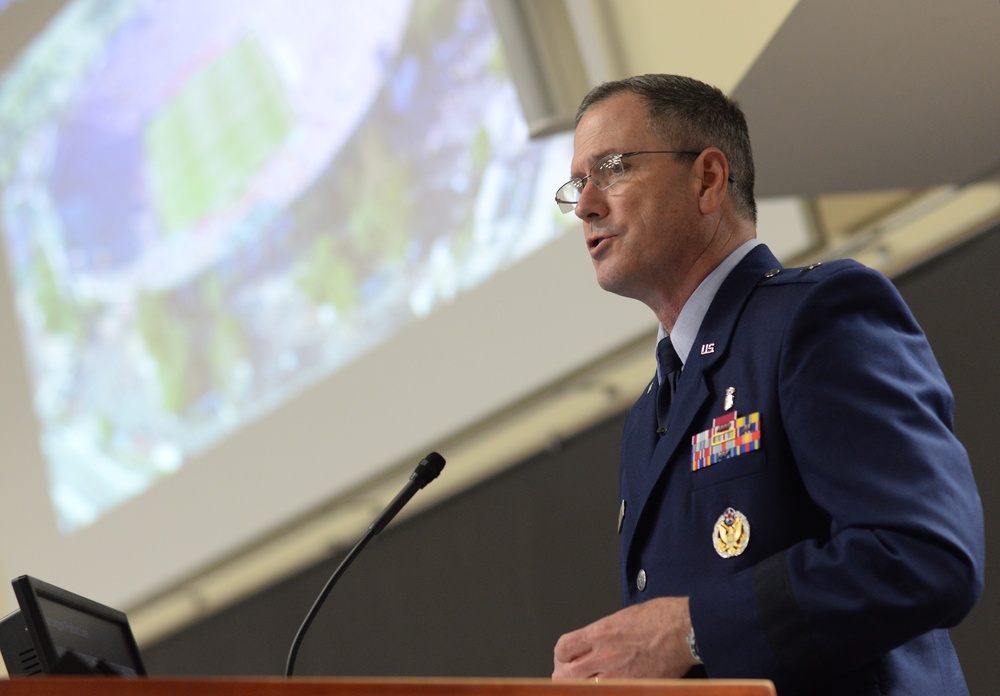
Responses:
[860,95]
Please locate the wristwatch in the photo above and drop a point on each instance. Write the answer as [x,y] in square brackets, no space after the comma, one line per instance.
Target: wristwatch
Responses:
[693,647]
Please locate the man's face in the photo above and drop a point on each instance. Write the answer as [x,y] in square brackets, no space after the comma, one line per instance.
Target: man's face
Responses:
[642,232]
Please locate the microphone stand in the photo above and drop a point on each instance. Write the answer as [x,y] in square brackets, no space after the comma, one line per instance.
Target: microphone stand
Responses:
[427,470]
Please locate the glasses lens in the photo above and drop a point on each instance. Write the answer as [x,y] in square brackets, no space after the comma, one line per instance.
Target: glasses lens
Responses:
[568,195]
[607,171]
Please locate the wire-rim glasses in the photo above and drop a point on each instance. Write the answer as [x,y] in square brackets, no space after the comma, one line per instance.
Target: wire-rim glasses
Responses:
[607,172]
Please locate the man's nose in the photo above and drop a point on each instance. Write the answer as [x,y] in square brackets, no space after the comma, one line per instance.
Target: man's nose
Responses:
[592,203]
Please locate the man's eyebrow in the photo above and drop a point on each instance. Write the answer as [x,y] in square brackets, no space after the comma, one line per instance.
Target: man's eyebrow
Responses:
[594,159]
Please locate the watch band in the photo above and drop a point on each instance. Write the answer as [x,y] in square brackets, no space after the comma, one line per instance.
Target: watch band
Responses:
[693,647]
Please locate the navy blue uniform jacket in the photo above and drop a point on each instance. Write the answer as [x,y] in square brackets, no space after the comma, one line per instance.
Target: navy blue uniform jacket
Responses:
[865,526]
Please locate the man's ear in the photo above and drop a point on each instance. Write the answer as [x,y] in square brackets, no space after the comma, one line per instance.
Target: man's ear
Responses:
[713,169]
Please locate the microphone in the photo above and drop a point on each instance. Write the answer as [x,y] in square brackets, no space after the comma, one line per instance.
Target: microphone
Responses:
[427,470]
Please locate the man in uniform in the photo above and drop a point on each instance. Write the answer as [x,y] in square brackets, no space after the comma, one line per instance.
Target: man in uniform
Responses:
[794,503]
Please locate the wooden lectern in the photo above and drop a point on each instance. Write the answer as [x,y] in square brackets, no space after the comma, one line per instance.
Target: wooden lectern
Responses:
[105,686]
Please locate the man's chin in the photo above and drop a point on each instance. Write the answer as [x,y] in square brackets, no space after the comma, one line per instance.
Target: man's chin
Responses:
[621,284]
[613,283]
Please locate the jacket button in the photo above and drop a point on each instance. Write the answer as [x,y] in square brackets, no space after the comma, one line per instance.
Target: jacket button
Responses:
[640,580]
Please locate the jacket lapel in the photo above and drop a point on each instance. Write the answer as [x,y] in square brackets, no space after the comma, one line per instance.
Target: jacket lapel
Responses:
[710,346]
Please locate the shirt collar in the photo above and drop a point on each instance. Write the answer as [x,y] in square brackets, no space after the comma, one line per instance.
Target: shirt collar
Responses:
[694,310]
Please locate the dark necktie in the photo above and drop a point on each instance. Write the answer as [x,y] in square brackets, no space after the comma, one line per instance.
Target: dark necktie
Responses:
[669,369]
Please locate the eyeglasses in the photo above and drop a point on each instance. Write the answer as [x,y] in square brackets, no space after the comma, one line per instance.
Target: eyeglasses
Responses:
[607,172]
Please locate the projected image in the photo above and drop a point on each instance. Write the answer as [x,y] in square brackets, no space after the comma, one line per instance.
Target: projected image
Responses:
[209,206]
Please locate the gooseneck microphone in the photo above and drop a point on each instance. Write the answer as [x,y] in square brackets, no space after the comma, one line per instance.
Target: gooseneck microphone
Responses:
[427,470]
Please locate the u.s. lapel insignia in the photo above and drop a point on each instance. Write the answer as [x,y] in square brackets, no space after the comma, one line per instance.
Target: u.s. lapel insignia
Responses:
[621,516]
[730,399]
[731,534]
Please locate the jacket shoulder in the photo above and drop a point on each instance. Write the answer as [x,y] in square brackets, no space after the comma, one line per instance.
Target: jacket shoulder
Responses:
[814,273]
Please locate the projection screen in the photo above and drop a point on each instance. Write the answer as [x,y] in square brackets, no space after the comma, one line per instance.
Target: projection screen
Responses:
[255,254]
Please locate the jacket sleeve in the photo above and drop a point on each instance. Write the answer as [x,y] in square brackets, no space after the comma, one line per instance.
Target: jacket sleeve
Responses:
[869,421]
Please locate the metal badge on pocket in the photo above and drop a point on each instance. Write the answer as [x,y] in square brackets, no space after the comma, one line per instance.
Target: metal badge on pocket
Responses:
[731,533]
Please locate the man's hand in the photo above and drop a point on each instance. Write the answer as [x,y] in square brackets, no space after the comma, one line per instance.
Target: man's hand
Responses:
[647,640]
